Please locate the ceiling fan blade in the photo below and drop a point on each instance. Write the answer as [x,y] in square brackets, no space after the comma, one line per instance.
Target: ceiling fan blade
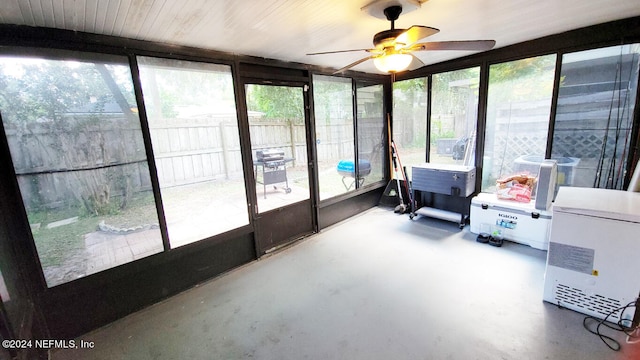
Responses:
[416,63]
[414,34]
[476,45]
[340,51]
[353,64]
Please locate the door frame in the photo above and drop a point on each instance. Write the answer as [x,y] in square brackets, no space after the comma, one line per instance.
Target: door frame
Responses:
[265,223]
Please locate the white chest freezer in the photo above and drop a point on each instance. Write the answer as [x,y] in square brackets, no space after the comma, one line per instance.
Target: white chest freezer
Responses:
[515,221]
[593,262]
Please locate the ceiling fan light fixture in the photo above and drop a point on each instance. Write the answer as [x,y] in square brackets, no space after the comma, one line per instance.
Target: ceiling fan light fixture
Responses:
[393,63]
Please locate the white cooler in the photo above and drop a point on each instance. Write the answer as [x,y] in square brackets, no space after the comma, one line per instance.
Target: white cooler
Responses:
[514,221]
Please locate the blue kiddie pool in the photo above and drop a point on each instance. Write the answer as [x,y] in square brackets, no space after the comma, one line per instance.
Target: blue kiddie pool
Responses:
[347,169]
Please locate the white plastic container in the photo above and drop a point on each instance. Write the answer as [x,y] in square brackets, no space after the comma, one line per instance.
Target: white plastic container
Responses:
[531,164]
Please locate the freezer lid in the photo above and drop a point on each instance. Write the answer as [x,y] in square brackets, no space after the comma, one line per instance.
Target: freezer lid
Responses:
[603,203]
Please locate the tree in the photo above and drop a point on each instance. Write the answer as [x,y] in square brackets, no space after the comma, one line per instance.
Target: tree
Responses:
[527,79]
[410,112]
[332,100]
[168,88]
[56,111]
[279,103]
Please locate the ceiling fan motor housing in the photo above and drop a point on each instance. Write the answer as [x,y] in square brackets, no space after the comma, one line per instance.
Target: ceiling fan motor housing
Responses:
[386,38]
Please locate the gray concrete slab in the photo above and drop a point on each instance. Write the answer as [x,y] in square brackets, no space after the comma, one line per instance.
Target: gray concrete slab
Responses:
[377,286]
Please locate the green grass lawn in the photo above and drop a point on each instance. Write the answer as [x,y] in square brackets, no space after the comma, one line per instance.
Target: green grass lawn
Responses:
[56,244]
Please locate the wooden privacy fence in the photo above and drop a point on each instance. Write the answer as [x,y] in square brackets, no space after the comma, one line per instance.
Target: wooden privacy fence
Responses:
[289,137]
[194,150]
[57,164]
[78,159]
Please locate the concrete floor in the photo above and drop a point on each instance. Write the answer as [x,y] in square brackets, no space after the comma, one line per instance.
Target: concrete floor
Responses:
[377,286]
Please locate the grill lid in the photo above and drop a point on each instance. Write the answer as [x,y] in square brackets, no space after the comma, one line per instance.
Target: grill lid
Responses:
[269,155]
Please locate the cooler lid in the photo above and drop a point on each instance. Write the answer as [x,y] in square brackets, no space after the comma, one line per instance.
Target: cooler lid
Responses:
[604,203]
[492,200]
[446,167]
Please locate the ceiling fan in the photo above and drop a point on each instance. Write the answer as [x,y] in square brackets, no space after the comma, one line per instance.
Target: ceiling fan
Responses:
[394,48]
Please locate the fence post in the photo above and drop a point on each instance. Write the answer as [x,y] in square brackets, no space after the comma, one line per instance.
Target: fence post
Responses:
[292,133]
[225,151]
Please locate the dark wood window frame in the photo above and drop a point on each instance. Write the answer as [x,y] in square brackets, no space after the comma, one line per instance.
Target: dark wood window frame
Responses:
[74,308]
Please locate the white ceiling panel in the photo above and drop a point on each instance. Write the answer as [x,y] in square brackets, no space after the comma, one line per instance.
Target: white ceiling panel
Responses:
[289,29]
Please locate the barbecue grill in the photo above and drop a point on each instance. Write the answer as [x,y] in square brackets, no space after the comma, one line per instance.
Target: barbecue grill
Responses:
[347,169]
[272,165]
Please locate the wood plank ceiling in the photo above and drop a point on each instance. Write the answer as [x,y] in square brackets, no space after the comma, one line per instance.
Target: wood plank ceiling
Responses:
[289,29]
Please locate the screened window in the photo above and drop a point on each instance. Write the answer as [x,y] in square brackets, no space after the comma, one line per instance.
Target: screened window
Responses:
[194,133]
[594,116]
[278,144]
[518,108]
[76,143]
[454,115]
[371,130]
[335,141]
[410,121]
